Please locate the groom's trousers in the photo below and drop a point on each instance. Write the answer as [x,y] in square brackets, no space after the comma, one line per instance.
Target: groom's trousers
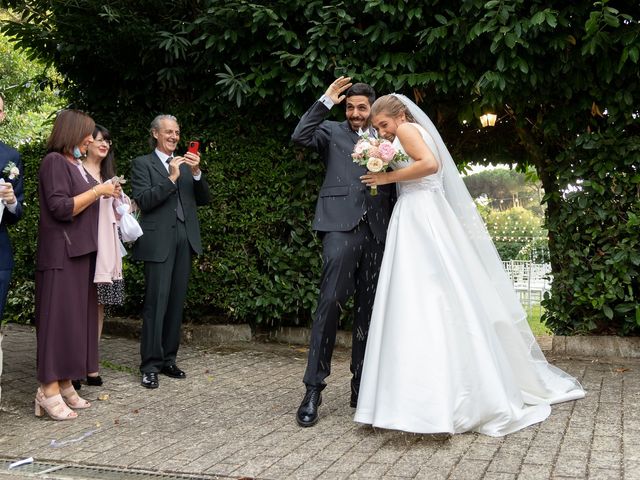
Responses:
[351,263]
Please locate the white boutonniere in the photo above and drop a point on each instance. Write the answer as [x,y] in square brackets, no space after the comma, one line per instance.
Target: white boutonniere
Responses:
[11,171]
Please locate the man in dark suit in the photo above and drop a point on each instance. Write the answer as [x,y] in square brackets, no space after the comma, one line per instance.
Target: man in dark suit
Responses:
[167,189]
[11,196]
[352,225]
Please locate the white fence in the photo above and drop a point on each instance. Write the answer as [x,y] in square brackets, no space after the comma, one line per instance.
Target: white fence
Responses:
[531,280]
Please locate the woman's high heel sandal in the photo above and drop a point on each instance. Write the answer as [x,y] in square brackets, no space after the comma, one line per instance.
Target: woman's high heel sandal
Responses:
[54,406]
[72,398]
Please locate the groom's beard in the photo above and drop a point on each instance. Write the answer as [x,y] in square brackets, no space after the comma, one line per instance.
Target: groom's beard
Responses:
[358,123]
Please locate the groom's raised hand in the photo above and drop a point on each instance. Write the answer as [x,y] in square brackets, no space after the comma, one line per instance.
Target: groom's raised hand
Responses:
[334,92]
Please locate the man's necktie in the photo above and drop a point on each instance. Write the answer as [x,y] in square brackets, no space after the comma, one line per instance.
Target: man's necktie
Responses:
[179,210]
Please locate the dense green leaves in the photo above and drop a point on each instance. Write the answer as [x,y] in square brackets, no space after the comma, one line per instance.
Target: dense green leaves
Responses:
[31,95]
[562,76]
[597,246]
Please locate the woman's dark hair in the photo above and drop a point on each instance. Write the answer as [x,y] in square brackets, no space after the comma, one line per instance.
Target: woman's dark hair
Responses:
[362,89]
[108,164]
[69,129]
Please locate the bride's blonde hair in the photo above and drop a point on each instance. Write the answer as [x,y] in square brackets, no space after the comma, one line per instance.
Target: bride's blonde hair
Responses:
[392,106]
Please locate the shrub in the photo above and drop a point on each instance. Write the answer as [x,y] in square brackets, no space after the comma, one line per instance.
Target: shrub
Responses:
[597,245]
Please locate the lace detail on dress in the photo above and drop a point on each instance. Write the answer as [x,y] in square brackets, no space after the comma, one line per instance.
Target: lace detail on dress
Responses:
[430,182]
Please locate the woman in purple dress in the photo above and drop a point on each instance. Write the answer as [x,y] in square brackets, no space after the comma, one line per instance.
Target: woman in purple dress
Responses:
[66,303]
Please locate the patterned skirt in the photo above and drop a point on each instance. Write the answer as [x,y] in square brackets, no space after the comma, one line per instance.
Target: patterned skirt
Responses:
[111,293]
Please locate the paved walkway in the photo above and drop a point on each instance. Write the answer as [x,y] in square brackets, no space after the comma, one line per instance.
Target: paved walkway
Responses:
[234,418]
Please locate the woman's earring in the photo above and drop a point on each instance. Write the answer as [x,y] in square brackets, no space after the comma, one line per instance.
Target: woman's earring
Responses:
[77,153]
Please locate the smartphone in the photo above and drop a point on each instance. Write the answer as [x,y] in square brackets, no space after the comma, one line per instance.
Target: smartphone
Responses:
[194,146]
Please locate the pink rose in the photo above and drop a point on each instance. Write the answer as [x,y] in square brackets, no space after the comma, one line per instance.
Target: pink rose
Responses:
[373,152]
[386,150]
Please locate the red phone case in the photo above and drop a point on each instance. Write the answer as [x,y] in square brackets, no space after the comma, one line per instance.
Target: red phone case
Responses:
[193,147]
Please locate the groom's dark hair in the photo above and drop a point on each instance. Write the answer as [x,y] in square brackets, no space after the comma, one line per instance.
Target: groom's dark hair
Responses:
[362,89]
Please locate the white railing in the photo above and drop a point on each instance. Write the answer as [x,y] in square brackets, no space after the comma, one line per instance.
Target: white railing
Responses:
[530,280]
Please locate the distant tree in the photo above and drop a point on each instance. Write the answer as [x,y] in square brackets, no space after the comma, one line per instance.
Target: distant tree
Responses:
[31,94]
[506,188]
[512,229]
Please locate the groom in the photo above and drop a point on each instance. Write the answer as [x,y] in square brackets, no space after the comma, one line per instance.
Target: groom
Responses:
[352,225]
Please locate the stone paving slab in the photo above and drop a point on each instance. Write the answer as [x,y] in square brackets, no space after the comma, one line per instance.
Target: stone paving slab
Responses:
[233,417]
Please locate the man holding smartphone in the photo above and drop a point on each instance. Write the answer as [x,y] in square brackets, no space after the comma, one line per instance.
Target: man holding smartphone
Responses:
[167,189]
[11,198]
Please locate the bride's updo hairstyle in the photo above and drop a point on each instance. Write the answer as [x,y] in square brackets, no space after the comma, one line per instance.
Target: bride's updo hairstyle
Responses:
[392,106]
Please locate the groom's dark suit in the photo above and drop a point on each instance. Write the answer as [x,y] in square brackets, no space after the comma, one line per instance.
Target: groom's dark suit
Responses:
[352,224]
[8,154]
[166,247]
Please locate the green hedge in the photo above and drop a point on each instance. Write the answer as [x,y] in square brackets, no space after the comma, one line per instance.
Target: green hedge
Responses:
[261,261]
[597,240]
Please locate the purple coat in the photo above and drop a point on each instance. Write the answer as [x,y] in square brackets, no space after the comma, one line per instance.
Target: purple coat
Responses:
[60,234]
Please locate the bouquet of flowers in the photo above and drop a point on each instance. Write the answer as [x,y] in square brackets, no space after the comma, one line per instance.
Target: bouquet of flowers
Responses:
[376,155]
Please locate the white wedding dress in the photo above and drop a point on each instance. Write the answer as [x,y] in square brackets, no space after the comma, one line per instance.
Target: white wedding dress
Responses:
[444,353]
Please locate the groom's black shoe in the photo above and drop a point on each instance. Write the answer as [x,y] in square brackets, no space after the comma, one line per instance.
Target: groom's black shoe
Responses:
[173,371]
[149,380]
[307,415]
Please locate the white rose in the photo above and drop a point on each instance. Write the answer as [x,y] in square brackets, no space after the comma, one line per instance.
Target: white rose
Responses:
[375,164]
[13,173]
[362,147]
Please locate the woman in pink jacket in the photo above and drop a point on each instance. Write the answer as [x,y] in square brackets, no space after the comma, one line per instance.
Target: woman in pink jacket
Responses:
[100,164]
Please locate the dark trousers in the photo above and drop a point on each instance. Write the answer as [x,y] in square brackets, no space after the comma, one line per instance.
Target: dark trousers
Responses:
[5,279]
[165,293]
[351,263]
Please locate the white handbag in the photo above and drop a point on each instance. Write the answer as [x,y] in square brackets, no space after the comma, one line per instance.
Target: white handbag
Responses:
[129,227]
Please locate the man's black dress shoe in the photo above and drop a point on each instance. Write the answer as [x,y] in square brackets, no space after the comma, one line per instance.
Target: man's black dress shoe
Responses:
[76,385]
[307,415]
[173,371]
[150,380]
[94,381]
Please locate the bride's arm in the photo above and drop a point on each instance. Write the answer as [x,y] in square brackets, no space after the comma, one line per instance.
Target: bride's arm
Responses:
[424,161]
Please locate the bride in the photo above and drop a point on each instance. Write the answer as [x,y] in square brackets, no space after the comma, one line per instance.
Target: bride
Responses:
[449,347]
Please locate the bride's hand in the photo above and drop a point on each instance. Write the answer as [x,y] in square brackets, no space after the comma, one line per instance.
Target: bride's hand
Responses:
[370,179]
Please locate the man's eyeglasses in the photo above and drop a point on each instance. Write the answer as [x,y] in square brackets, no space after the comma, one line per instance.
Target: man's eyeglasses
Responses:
[102,140]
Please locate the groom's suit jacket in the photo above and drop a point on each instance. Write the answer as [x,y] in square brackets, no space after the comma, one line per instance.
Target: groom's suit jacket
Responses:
[8,154]
[157,198]
[343,198]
